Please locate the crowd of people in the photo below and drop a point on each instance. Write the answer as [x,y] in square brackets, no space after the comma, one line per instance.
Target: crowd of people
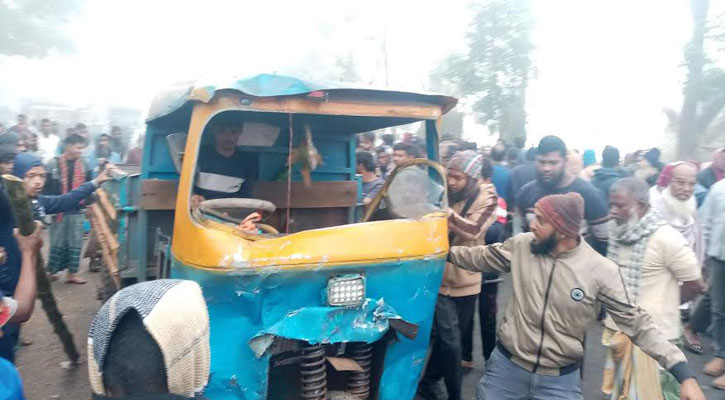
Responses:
[625,240]
[59,176]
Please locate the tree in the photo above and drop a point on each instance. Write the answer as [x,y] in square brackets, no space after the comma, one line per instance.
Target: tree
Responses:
[32,28]
[704,88]
[494,72]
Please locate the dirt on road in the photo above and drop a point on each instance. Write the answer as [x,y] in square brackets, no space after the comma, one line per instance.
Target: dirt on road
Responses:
[40,363]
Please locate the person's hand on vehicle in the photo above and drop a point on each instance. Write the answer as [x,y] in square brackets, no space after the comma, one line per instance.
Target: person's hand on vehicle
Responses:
[32,242]
[196,200]
[690,390]
[105,174]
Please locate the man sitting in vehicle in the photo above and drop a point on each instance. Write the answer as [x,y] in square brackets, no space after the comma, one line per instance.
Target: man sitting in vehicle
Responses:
[222,170]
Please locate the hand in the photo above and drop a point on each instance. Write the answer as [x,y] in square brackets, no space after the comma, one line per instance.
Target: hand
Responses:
[367,201]
[105,174]
[31,243]
[690,390]
[196,200]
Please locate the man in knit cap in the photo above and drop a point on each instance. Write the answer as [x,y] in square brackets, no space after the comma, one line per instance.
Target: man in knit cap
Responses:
[654,260]
[559,284]
[472,211]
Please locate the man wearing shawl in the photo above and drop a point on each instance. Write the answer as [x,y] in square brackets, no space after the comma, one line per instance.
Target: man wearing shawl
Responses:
[67,172]
[653,259]
[471,213]
[673,200]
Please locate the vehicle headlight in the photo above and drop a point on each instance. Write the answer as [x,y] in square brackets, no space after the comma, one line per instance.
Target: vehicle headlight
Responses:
[347,290]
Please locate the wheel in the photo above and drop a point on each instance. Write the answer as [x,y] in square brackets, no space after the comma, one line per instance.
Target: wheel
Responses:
[106,288]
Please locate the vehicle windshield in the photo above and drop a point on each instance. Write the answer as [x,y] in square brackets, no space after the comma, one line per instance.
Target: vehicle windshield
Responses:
[242,172]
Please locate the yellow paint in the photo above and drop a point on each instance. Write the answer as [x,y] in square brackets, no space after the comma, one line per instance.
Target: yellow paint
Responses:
[207,245]
[308,106]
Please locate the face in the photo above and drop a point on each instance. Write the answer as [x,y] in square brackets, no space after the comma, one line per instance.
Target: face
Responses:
[684,178]
[103,142]
[400,156]
[383,158]
[366,145]
[226,138]
[544,234]
[623,207]
[456,179]
[22,147]
[6,167]
[45,127]
[31,141]
[574,162]
[34,181]
[718,163]
[550,168]
[74,151]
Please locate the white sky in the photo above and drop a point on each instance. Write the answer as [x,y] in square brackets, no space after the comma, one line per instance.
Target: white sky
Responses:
[604,68]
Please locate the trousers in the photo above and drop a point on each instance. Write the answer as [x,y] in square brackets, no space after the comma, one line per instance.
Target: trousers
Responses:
[445,357]
[504,380]
[717,304]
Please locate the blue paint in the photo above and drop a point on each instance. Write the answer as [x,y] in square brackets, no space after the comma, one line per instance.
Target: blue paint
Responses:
[267,85]
[247,303]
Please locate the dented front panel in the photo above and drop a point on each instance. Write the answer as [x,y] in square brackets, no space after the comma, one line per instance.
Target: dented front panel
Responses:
[248,309]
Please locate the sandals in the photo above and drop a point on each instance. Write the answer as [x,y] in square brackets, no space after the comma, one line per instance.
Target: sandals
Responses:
[692,342]
[76,280]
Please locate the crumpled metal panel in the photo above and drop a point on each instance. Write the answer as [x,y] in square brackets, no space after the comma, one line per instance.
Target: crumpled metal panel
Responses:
[367,323]
[275,303]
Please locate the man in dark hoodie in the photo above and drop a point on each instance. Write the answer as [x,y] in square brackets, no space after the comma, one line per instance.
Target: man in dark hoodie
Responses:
[609,173]
[31,169]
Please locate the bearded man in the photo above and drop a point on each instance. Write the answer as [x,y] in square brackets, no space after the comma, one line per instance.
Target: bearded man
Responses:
[553,177]
[559,284]
[673,200]
[653,258]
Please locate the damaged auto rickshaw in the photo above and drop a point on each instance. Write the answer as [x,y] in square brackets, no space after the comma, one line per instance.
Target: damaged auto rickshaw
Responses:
[322,298]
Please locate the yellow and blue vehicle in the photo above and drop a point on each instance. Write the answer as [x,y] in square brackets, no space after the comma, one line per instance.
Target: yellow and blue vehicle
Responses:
[325,299]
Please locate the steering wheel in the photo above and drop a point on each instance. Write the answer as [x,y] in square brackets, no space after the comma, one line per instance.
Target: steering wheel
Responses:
[234,210]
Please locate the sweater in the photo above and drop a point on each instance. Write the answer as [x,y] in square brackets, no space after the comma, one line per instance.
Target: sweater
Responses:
[469,230]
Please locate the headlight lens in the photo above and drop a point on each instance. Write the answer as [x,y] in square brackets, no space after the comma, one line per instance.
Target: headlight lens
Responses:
[348,290]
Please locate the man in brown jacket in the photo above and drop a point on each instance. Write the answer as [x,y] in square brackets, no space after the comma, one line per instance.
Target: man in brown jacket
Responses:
[472,211]
[559,284]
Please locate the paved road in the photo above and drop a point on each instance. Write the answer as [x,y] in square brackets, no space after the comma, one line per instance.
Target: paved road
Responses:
[44,379]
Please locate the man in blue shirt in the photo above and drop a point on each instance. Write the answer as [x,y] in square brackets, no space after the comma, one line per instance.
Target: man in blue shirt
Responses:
[501,173]
[222,170]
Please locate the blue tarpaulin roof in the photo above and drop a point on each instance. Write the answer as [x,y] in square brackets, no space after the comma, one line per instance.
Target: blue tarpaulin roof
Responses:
[267,85]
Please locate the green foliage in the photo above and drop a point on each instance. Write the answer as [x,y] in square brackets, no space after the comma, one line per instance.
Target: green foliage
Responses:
[494,71]
[32,28]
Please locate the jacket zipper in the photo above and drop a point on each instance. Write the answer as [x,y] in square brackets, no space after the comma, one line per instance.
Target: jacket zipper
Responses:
[543,315]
